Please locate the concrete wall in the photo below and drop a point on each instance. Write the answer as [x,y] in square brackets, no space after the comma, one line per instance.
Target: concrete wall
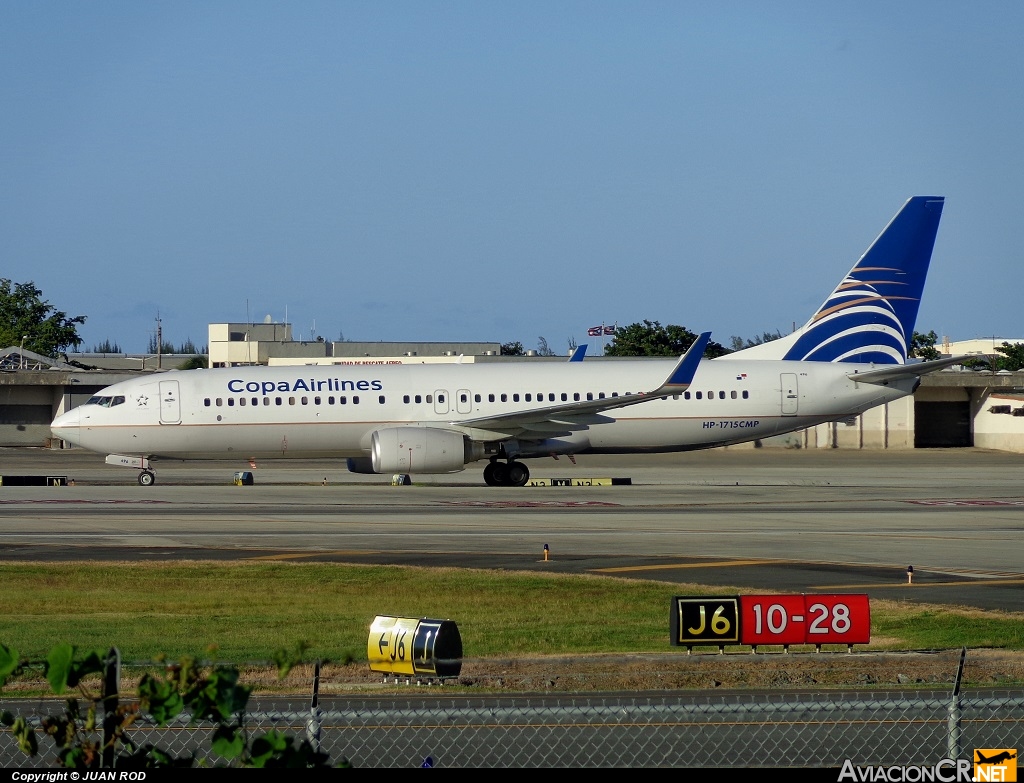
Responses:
[1002,431]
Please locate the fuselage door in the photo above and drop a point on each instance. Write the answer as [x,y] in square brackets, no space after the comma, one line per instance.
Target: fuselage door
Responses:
[441,404]
[790,394]
[170,403]
[463,401]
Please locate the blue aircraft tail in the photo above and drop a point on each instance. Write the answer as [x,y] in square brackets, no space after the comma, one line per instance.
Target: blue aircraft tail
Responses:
[870,316]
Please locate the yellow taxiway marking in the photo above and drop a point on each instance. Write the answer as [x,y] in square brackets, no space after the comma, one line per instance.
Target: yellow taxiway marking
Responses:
[918,585]
[673,566]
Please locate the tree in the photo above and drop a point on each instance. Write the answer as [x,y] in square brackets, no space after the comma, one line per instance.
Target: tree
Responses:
[650,338]
[198,362]
[26,316]
[738,343]
[1012,358]
[542,348]
[513,349]
[165,347]
[107,347]
[922,346]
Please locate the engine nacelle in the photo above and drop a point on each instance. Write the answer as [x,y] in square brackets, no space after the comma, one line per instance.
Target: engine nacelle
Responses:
[419,450]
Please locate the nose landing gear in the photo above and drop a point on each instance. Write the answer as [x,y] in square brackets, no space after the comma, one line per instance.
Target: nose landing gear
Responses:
[506,474]
[146,478]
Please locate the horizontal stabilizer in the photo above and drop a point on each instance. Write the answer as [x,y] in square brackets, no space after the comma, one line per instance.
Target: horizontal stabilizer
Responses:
[902,371]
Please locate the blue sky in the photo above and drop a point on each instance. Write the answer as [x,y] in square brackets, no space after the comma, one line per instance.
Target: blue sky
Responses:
[502,171]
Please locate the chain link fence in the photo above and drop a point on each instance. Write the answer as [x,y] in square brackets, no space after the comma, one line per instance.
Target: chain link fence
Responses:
[677,728]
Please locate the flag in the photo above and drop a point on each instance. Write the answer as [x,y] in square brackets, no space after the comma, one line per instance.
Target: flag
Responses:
[609,330]
[595,331]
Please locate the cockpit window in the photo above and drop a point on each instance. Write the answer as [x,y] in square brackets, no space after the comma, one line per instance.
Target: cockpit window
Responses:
[106,402]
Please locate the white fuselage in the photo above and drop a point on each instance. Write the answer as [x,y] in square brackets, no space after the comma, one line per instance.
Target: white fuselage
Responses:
[333,411]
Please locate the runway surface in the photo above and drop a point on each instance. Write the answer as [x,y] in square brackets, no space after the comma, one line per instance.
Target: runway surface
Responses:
[773,519]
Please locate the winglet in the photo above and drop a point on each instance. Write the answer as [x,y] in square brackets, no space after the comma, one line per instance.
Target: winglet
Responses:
[578,353]
[682,374]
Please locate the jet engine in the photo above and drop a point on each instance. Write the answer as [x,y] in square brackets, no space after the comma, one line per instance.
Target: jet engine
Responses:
[421,450]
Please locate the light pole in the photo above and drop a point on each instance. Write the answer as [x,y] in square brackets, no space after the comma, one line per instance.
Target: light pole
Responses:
[21,353]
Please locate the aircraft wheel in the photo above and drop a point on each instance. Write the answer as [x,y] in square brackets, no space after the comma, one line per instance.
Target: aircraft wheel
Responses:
[489,479]
[518,474]
[146,478]
[499,474]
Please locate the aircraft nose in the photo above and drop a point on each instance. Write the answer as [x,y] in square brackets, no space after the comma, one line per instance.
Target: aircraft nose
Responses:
[66,426]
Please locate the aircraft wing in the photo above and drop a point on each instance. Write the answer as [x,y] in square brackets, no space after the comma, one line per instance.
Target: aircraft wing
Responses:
[579,415]
[898,372]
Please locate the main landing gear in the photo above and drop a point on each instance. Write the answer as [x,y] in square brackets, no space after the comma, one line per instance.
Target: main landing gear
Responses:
[506,474]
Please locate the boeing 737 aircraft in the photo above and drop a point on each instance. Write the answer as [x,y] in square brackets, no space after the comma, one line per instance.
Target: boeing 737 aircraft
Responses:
[437,418]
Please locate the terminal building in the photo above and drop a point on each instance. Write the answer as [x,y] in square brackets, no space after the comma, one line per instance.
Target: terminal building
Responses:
[952,408]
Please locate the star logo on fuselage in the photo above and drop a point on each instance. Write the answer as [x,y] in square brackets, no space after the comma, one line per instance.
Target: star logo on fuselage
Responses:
[142,399]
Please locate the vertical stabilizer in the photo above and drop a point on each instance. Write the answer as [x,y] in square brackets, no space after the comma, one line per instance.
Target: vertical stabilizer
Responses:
[871,314]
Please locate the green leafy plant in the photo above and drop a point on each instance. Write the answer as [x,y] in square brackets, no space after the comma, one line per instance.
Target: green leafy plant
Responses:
[211,694]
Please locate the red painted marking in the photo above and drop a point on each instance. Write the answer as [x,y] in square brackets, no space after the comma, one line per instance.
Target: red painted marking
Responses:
[527,503]
[967,502]
[86,502]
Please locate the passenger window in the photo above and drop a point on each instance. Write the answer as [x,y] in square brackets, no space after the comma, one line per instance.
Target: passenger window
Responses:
[430,398]
[504,398]
[576,397]
[278,401]
[231,402]
[490,398]
[316,400]
[746,394]
[440,398]
[733,394]
[291,400]
[565,397]
[477,397]
[464,397]
[686,395]
[515,398]
[600,395]
[206,402]
[266,401]
[699,396]
[330,400]
[405,399]
[419,399]
[342,400]
[721,395]
[551,397]
[241,401]
[590,395]
[529,397]
[219,402]
[305,400]
[381,399]
[355,400]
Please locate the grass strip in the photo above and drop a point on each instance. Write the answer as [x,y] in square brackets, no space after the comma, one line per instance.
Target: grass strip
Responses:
[249,610]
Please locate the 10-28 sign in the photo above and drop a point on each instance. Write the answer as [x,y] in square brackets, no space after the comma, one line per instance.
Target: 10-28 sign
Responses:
[771,619]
